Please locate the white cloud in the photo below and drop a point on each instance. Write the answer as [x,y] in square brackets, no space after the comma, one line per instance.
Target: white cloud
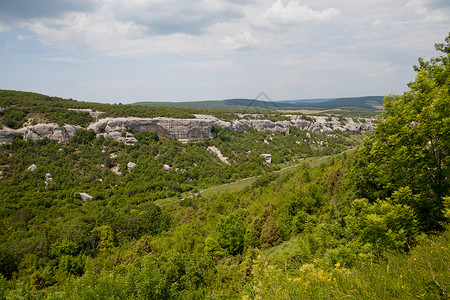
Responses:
[240,41]
[175,16]
[286,41]
[433,11]
[293,14]
[68,59]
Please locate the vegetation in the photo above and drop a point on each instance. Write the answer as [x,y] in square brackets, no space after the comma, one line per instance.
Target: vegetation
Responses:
[351,107]
[369,224]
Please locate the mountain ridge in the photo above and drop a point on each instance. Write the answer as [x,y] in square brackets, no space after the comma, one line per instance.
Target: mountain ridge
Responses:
[364,102]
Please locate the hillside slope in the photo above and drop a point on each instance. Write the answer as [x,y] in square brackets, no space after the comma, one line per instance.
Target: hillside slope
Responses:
[369,103]
[80,220]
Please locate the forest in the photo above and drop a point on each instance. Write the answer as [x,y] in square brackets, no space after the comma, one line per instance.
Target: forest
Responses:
[364,216]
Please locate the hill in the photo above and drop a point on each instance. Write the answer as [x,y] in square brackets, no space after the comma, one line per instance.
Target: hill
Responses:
[96,218]
[369,103]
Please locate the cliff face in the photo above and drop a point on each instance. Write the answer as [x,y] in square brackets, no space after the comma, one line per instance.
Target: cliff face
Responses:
[185,130]
[39,131]
[324,124]
[51,131]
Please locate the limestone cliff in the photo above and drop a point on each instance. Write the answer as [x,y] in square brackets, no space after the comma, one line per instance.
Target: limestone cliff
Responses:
[39,131]
[185,130]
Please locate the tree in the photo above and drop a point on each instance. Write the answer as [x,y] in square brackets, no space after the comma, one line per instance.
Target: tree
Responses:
[230,232]
[411,144]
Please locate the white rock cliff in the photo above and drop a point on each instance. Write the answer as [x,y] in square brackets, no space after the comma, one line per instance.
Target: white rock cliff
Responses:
[185,130]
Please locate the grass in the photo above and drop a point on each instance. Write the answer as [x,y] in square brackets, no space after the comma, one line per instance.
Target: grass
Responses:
[424,273]
[242,183]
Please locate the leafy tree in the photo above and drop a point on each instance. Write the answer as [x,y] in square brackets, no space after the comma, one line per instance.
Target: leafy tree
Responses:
[411,145]
[83,136]
[270,234]
[230,232]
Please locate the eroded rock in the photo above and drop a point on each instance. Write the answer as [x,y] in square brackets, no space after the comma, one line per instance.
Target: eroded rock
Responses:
[219,154]
[186,130]
[85,196]
[130,166]
[267,158]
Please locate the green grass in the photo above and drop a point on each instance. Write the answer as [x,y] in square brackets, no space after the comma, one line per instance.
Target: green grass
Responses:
[243,183]
[424,273]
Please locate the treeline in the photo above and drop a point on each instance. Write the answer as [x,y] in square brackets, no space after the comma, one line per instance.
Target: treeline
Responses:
[18,107]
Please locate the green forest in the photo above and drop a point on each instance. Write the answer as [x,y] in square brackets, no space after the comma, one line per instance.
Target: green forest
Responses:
[365,216]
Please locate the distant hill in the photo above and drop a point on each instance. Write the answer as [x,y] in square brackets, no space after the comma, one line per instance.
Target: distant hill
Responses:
[368,102]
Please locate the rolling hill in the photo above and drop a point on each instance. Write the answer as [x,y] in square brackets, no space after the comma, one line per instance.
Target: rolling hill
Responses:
[368,102]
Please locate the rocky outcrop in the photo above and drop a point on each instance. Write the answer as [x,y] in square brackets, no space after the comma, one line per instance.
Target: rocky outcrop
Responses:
[7,135]
[40,131]
[262,125]
[184,130]
[130,166]
[197,129]
[267,158]
[325,124]
[50,131]
[85,196]
[219,154]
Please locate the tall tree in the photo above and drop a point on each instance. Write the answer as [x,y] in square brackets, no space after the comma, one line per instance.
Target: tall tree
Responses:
[407,160]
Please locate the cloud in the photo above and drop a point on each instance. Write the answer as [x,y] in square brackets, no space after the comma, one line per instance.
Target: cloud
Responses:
[68,59]
[241,41]
[14,12]
[157,17]
[431,11]
[293,14]
[162,17]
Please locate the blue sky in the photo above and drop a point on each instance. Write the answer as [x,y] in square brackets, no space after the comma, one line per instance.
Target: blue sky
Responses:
[178,50]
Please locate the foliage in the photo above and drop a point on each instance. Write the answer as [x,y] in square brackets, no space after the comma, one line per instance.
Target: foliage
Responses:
[367,224]
[410,150]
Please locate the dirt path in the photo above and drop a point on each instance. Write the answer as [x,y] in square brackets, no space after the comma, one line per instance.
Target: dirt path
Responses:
[218,188]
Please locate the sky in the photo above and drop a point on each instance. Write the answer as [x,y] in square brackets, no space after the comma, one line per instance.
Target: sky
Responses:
[115,51]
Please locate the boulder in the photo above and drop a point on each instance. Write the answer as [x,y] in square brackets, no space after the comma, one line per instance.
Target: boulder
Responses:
[48,177]
[85,196]
[50,131]
[7,135]
[32,168]
[131,166]
[116,170]
[267,158]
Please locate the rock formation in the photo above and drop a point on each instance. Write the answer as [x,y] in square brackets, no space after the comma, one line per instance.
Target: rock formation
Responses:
[267,158]
[51,131]
[7,135]
[130,166]
[219,154]
[185,130]
[85,196]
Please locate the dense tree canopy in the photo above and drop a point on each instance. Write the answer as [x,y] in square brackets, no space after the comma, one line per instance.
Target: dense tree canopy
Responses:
[407,159]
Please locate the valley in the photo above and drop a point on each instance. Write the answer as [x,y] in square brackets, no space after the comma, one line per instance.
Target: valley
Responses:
[112,201]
